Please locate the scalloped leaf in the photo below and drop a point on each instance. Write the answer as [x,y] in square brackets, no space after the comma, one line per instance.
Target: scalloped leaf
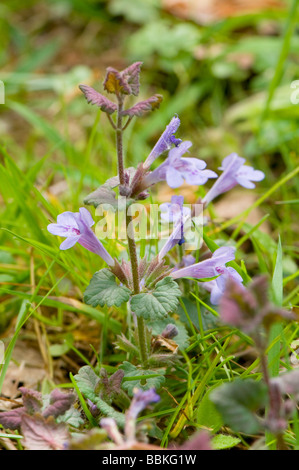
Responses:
[158,303]
[115,83]
[104,290]
[155,378]
[43,434]
[143,107]
[237,403]
[94,97]
[131,75]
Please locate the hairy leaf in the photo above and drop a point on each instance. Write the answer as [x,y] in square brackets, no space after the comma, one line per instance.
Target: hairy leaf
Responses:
[59,403]
[105,195]
[131,76]
[143,107]
[12,419]
[32,400]
[101,195]
[115,83]
[87,380]
[154,380]
[43,434]
[238,401]
[103,290]
[158,303]
[93,97]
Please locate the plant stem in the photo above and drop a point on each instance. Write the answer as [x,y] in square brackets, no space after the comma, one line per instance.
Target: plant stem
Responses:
[119,142]
[141,326]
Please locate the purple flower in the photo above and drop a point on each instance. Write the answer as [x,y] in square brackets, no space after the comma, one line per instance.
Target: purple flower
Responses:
[234,172]
[179,215]
[110,426]
[208,268]
[176,169]
[174,211]
[217,286]
[75,226]
[165,142]
[141,400]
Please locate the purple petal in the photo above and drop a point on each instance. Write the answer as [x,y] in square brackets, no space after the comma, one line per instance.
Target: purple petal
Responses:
[174,178]
[69,242]
[232,160]
[86,216]
[56,229]
[195,162]
[207,268]
[141,400]
[67,218]
[246,183]
[224,254]
[177,152]
[216,294]
[164,143]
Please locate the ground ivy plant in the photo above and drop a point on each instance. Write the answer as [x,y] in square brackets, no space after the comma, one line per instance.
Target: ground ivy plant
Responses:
[151,286]
[148,285]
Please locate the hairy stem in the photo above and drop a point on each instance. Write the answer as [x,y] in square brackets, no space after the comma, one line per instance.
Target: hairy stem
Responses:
[141,327]
[119,142]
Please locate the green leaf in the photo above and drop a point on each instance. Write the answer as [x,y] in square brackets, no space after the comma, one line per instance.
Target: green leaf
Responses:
[86,380]
[102,195]
[207,414]
[238,401]
[105,194]
[222,441]
[103,290]
[143,379]
[158,303]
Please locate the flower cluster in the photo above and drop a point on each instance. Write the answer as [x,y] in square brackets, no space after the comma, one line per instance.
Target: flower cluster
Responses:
[177,167]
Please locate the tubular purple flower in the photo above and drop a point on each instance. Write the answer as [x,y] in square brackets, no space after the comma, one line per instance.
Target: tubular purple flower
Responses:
[174,210]
[217,286]
[141,400]
[209,267]
[110,426]
[176,169]
[234,173]
[165,142]
[179,216]
[75,226]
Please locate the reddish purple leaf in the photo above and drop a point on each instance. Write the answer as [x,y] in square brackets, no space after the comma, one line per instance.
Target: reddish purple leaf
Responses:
[143,107]
[60,402]
[93,97]
[43,434]
[32,400]
[131,76]
[115,83]
[12,419]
